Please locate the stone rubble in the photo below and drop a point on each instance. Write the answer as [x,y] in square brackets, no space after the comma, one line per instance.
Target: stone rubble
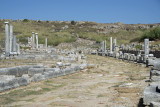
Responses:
[71,61]
[152,92]
[67,61]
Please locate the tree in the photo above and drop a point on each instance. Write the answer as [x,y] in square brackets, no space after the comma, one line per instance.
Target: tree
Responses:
[25,20]
[73,22]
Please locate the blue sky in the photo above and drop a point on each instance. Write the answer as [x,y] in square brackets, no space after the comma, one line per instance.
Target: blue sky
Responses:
[101,11]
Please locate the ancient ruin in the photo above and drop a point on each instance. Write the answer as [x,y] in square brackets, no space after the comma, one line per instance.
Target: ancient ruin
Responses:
[38,62]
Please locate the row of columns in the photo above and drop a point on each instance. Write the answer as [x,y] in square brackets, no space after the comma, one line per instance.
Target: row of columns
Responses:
[34,42]
[11,45]
[113,46]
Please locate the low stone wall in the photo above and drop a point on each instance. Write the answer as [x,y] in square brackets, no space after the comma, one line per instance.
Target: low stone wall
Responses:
[32,74]
[18,71]
[152,91]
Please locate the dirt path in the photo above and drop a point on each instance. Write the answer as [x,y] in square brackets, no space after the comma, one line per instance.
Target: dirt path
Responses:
[110,83]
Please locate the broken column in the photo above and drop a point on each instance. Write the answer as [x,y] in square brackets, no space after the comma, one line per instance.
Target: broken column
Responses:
[46,43]
[114,44]
[36,40]
[33,43]
[7,39]
[11,38]
[146,47]
[110,44]
[17,48]
[105,45]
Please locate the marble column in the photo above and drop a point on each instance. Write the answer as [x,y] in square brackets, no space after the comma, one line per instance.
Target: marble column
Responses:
[17,48]
[11,38]
[36,40]
[146,47]
[7,39]
[46,43]
[14,43]
[111,44]
[33,42]
[105,45]
[114,44]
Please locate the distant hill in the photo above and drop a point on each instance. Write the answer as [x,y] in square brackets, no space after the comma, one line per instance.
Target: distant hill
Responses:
[68,31]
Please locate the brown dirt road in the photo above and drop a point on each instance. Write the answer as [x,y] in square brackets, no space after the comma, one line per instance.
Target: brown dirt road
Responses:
[111,83]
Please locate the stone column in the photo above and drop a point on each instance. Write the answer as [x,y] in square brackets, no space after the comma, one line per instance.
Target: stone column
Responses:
[7,39]
[146,47]
[111,44]
[36,40]
[46,43]
[33,43]
[17,48]
[114,43]
[105,47]
[11,38]
[14,43]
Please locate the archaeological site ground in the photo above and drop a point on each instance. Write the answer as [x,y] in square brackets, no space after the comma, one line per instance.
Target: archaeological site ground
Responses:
[79,64]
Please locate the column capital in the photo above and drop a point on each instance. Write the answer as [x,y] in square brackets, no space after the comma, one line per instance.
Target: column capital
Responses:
[6,22]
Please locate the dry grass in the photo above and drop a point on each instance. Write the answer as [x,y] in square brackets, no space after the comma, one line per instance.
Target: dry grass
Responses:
[93,87]
[55,34]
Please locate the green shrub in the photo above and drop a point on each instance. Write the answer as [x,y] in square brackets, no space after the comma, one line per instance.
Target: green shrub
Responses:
[138,47]
[73,22]
[25,20]
[152,34]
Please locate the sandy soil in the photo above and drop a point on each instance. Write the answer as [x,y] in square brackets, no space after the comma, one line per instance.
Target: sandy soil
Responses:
[111,83]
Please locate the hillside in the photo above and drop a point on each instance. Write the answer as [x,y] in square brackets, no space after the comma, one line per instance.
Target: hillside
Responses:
[68,31]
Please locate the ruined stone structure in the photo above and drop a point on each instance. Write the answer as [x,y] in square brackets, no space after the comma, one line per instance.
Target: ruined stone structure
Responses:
[11,45]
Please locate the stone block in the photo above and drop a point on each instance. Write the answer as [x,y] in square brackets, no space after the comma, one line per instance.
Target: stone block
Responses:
[37,77]
[68,70]
[59,64]
[24,80]
[13,71]
[32,71]
[57,72]
[49,74]
[8,82]
[155,104]
[156,66]
[82,66]
[49,69]
[67,64]
[17,71]
[90,65]
[150,95]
